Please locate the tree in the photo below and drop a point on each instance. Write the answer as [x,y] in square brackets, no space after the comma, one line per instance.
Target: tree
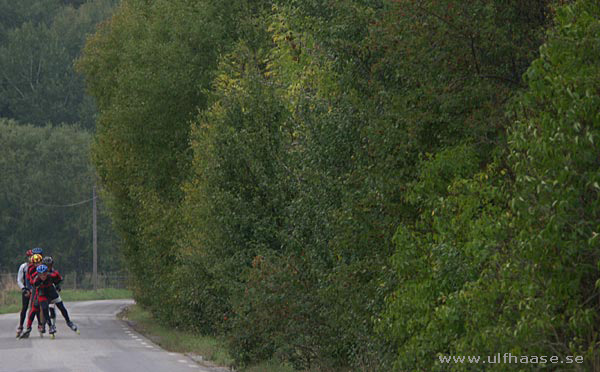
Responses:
[493,262]
[14,13]
[553,153]
[44,169]
[38,84]
[149,69]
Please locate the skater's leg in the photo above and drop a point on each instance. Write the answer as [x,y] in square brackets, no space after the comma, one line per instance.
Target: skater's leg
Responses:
[65,314]
[31,309]
[52,318]
[36,305]
[24,306]
[27,331]
[45,312]
[63,311]
[32,313]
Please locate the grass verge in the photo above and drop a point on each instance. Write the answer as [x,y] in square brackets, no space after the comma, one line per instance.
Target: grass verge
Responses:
[10,301]
[7,309]
[99,294]
[175,340]
[213,352]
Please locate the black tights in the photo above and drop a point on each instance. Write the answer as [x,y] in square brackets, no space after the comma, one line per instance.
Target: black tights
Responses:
[45,310]
[24,307]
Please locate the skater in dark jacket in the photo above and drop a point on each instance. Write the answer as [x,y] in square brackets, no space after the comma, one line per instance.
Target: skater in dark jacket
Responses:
[41,282]
[54,297]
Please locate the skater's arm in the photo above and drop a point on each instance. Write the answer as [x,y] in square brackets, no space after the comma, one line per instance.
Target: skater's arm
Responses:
[20,276]
[30,272]
[56,277]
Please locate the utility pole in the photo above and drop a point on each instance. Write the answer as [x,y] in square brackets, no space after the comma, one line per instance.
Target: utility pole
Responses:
[95,238]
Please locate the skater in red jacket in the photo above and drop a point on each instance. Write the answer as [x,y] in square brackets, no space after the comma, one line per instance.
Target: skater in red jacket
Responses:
[54,297]
[41,281]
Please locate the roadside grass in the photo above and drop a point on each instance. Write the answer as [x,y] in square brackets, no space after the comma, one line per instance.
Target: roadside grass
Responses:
[270,366]
[10,300]
[99,294]
[211,349]
[174,340]
[8,309]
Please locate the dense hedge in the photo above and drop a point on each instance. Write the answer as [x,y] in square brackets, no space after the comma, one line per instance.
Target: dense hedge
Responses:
[358,185]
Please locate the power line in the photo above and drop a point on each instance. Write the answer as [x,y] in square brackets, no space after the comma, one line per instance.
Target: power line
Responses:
[66,205]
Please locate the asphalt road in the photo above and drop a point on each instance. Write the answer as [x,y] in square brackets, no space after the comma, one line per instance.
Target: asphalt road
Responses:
[105,344]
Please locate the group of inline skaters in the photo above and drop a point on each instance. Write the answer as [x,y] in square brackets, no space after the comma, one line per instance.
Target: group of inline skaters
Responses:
[40,286]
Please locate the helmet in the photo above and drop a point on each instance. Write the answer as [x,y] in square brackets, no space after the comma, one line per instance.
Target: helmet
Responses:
[37,251]
[47,261]
[29,253]
[42,269]
[36,258]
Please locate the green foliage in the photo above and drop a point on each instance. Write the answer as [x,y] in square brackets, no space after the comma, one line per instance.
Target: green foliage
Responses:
[331,183]
[38,84]
[354,155]
[41,168]
[14,13]
[150,75]
[236,199]
[442,262]
[404,121]
[554,157]
[505,260]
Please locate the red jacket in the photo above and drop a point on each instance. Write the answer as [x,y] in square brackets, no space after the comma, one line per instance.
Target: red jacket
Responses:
[30,272]
[45,288]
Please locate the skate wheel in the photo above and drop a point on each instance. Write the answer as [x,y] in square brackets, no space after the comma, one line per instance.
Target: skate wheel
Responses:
[52,337]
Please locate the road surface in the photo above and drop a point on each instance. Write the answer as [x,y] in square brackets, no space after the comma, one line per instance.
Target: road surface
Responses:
[105,344]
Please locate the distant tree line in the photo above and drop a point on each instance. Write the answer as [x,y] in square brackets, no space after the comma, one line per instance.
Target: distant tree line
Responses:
[357,185]
[39,42]
[46,126]
[46,199]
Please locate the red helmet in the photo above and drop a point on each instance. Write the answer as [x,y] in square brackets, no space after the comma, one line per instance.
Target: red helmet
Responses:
[29,253]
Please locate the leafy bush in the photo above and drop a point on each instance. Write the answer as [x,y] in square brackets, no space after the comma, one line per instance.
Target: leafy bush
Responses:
[506,261]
